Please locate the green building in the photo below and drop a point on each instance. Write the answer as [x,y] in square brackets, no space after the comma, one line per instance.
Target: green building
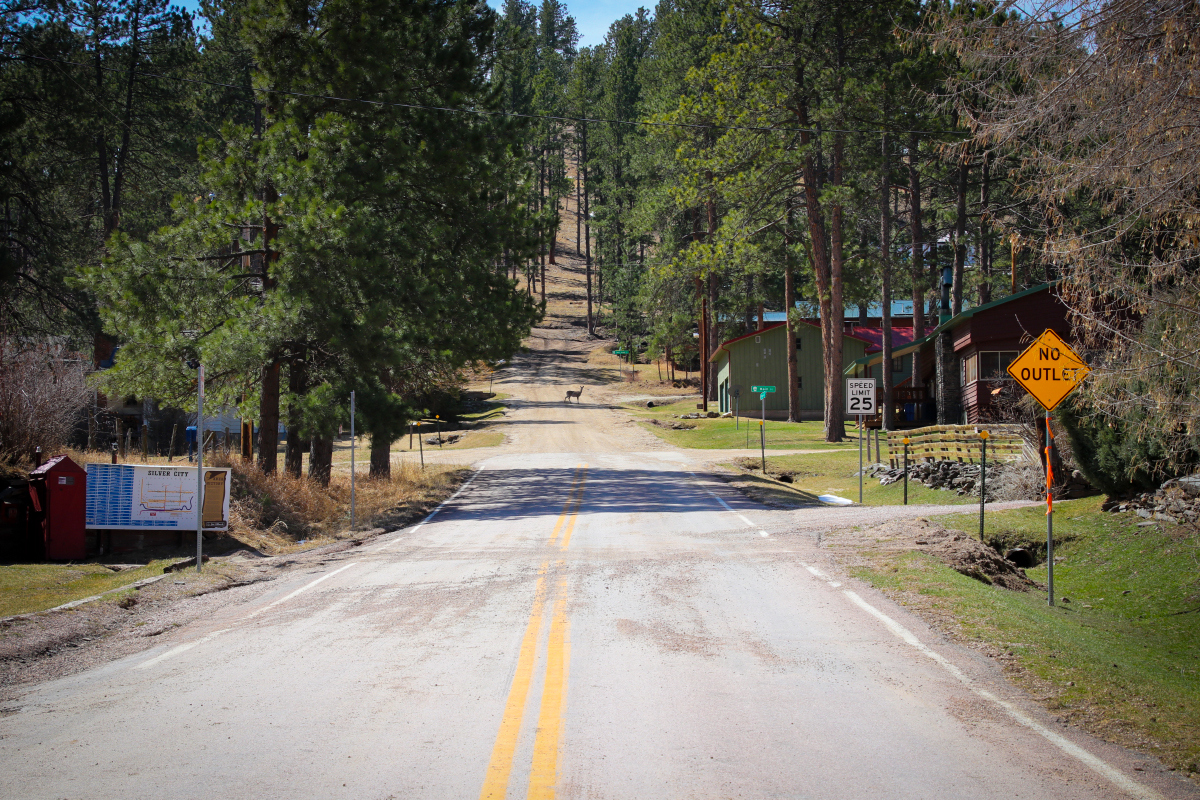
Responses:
[760,359]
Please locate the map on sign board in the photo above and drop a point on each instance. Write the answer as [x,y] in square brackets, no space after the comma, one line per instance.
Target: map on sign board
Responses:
[155,496]
[860,396]
[1049,369]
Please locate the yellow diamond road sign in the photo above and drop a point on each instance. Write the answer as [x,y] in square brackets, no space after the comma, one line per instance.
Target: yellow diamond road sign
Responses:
[1049,369]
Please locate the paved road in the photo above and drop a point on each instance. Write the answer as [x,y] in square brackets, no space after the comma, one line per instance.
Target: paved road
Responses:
[581,623]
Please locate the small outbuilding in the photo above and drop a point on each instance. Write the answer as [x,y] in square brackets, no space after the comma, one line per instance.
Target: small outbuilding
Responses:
[58,493]
[760,359]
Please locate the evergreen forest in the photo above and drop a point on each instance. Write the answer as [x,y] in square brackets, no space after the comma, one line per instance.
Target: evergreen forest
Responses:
[315,198]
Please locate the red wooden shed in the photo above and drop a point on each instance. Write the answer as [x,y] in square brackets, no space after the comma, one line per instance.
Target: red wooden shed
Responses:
[58,491]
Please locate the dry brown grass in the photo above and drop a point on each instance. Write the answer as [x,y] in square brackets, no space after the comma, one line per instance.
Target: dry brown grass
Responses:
[278,513]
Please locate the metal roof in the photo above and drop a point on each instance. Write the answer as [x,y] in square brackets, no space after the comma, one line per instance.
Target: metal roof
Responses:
[772,326]
[876,358]
[64,459]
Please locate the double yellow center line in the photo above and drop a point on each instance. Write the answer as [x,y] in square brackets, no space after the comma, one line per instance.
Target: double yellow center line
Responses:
[544,772]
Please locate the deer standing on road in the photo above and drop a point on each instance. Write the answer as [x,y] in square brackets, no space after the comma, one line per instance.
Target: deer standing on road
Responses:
[572,393]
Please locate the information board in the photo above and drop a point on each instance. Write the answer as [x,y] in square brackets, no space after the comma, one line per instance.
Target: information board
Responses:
[155,496]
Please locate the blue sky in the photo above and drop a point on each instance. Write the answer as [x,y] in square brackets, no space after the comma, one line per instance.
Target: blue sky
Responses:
[592,17]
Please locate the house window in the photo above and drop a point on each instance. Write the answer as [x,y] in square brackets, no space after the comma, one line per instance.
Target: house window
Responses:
[994,364]
[970,370]
[898,364]
[799,381]
[798,340]
[758,340]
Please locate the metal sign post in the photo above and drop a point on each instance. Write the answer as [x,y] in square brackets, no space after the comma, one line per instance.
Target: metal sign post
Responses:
[352,460]
[199,466]
[860,402]
[861,432]
[762,432]
[621,361]
[1049,517]
[763,391]
[906,441]
[1049,370]
[983,437]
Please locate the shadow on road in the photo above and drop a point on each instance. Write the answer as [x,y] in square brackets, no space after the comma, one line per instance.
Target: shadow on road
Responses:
[537,492]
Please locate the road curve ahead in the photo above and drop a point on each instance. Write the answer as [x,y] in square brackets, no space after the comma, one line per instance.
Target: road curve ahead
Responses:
[599,625]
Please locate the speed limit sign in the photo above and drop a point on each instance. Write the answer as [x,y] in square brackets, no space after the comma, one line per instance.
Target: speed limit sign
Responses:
[860,396]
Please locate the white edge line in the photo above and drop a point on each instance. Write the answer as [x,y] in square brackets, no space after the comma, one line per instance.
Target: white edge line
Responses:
[432,514]
[817,572]
[718,498]
[1111,773]
[303,588]
[174,651]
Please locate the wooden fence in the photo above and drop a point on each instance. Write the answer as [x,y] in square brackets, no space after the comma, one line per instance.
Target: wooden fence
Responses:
[956,443]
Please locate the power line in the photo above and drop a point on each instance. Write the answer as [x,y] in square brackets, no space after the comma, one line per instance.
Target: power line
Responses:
[487,113]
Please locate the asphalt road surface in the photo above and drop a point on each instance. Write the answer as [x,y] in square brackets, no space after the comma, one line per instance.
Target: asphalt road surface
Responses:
[591,616]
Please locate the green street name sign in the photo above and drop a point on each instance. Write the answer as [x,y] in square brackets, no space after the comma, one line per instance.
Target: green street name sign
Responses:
[762,389]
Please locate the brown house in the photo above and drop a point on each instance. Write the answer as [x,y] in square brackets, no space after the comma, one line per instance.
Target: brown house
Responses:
[985,340]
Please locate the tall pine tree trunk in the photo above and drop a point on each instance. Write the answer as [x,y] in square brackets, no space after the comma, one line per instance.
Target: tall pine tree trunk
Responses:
[789,297]
[320,459]
[381,457]
[268,419]
[587,238]
[885,264]
[822,272]
[985,244]
[709,307]
[578,215]
[835,419]
[293,460]
[702,296]
[917,264]
[960,235]
[748,311]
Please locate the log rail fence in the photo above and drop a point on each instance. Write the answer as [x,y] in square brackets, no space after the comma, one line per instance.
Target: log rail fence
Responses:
[956,443]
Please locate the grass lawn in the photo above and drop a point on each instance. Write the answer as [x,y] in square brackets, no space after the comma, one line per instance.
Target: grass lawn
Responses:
[835,472]
[726,434]
[468,440]
[488,410]
[26,588]
[1122,657]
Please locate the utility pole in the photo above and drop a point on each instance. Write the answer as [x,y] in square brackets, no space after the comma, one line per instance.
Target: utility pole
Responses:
[352,447]
[199,466]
